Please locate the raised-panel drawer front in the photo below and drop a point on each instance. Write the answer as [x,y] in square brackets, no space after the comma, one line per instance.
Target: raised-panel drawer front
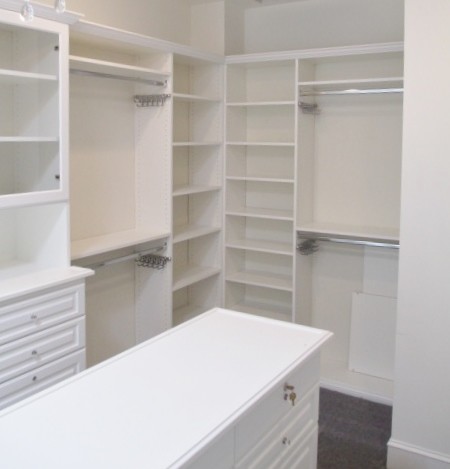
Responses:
[285,436]
[219,455]
[267,412]
[35,350]
[302,456]
[30,383]
[39,312]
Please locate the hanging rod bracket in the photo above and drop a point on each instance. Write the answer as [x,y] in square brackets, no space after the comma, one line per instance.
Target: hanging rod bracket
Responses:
[309,108]
[150,100]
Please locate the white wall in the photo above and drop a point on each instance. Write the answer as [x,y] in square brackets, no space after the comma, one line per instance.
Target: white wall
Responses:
[322,23]
[421,419]
[208,26]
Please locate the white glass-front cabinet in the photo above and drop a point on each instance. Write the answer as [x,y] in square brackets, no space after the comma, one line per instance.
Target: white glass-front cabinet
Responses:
[120,186]
[197,186]
[41,297]
[260,187]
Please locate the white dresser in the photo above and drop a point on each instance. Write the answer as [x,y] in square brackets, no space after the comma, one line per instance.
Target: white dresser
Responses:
[225,390]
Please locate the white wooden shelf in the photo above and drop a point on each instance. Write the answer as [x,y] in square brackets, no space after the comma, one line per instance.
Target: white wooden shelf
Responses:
[261,103]
[363,84]
[260,179]
[84,64]
[187,232]
[196,144]
[262,279]
[389,235]
[102,244]
[31,139]
[16,77]
[193,98]
[192,274]
[262,213]
[189,190]
[270,247]
[261,144]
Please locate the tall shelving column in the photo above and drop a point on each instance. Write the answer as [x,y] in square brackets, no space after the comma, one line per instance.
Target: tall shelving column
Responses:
[197,186]
[260,187]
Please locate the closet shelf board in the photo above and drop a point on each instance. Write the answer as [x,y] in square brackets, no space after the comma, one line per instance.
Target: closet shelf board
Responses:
[286,215]
[188,190]
[102,244]
[270,247]
[120,70]
[16,77]
[192,98]
[187,232]
[193,274]
[260,279]
[31,139]
[261,103]
[196,144]
[260,179]
[363,83]
[261,144]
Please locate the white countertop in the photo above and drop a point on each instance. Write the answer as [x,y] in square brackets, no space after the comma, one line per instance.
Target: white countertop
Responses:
[159,403]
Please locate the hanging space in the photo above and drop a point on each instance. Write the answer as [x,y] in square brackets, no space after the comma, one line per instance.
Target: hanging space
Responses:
[348,212]
[120,198]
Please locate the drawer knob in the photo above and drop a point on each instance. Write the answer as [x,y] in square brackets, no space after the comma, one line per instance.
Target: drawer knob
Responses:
[286,441]
[34,353]
[34,317]
[34,378]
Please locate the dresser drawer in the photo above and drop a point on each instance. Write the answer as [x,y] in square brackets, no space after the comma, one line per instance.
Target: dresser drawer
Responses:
[41,378]
[303,454]
[266,413]
[286,436]
[34,314]
[41,348]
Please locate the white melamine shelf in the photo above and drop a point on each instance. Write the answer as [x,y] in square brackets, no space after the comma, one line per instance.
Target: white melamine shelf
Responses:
[262,279]
[192,274]
[187,232]
[189,190]
[260,179]
[19,139]
[196,144]
[271,247]
[282,313]
[193,98]
[261,103]
[350,231]
[119,70]
[261,144]
[363,84]
[15,77]
[102,244]
[271,214]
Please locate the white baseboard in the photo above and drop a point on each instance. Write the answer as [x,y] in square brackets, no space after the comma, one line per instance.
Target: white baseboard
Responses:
[405,456]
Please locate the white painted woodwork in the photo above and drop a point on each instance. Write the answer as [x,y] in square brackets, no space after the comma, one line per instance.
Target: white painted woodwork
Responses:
[151,385]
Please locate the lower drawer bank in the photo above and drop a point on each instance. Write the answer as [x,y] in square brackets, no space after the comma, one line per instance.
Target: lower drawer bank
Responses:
[225,390]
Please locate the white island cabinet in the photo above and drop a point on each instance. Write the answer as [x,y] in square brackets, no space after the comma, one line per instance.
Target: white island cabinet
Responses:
[224,390]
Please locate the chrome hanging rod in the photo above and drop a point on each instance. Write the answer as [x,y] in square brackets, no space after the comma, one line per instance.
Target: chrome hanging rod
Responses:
[130,257]
[76,71]
[351,92]
[307,242]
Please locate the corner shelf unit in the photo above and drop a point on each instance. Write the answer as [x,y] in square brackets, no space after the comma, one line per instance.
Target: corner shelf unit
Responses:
[260,187]
[197,186]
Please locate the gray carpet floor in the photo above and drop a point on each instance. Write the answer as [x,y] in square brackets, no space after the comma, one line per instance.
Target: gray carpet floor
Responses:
[353,432]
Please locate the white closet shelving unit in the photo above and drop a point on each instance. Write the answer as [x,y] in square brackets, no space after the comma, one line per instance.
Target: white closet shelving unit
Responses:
[260,186]
[197,185]
[120,189]
[349,163]
[41,297]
